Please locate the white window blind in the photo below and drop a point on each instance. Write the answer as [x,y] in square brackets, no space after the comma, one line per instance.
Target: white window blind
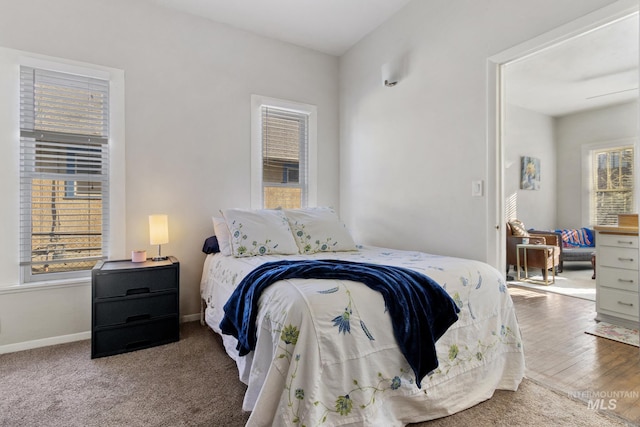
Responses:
[285,136]
[64,178]
[613,182]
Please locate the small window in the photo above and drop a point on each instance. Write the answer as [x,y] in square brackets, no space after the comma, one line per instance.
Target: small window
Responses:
[612,184]
[283,150]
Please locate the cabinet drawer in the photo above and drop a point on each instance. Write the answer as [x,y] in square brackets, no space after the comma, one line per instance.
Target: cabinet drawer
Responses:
[617,302]
[131,282]
[121,311]
[617,240]
[135,337]
[618,257]
[618,278]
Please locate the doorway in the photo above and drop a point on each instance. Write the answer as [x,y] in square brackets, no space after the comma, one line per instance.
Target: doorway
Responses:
[529,127]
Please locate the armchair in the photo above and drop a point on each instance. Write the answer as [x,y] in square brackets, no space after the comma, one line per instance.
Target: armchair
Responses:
[545,260]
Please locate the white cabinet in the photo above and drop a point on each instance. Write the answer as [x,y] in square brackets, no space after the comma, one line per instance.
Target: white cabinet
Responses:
[617,278]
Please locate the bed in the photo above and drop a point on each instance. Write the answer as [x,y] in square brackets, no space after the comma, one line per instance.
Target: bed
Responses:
[325,350]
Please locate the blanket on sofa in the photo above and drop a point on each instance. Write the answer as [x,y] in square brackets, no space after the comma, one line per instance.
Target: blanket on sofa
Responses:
[577,238]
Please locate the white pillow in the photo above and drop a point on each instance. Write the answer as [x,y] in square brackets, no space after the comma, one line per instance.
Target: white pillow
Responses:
[259,232]
[221,231]
[319,230]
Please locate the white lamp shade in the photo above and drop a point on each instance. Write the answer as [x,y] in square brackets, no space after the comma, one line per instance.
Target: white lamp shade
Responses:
[158,229]
[389,73]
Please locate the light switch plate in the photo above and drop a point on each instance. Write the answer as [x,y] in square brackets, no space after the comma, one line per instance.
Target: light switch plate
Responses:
[477,188]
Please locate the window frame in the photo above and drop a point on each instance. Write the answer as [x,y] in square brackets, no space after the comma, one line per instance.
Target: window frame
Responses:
[116,165]
[257,102]
[588,151]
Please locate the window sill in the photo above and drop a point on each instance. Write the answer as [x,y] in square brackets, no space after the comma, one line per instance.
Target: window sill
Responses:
[46,285]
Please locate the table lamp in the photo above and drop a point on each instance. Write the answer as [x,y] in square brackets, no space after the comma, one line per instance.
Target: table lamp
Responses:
[158,233]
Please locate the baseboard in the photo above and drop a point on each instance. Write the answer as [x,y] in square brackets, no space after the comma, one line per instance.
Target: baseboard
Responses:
[44,342]
[190,318]
[62,339]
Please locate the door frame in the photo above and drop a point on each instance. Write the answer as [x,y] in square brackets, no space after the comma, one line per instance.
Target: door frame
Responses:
[496,233]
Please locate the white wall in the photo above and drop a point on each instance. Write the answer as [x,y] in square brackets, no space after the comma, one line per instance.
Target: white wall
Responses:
[408,154]
[575,131]
[531,134]
[188,91]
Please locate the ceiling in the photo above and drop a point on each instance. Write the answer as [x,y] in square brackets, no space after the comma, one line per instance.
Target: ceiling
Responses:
[329,26]
[594,70]
[597,69]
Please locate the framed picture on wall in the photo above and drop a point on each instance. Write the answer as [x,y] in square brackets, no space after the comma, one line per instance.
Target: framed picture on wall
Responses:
[530,173]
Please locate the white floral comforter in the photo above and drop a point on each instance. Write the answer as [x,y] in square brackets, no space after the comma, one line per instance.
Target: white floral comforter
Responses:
[326,353]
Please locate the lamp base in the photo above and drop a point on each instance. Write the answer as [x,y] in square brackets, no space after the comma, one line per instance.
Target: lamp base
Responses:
[159,257]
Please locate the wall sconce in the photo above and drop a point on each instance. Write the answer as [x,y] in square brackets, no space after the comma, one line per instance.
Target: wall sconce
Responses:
[158,233]
[396,69]
[389,75]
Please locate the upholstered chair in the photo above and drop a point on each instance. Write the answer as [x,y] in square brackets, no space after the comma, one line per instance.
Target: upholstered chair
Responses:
[543,259]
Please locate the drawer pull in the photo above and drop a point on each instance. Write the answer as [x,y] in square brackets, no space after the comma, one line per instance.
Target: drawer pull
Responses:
[628,242]
[137,317]
[625,259]
[626,303]
[136,291]
[625,280]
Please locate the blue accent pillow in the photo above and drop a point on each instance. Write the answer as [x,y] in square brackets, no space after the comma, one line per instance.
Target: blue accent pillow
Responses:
[211,245]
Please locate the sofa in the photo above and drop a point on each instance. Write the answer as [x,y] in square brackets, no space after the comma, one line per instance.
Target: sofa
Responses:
[578,244]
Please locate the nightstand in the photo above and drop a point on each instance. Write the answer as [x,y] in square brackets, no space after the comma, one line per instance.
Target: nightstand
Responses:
[135,305]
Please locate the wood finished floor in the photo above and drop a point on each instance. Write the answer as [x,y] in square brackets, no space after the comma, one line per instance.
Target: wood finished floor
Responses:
[560,354]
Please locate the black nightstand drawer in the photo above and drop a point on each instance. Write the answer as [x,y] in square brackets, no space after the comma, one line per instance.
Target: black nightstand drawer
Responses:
[121,311]
[117,340]
[123,283]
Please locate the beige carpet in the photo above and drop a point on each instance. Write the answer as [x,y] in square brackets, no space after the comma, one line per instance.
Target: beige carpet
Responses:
[193,383]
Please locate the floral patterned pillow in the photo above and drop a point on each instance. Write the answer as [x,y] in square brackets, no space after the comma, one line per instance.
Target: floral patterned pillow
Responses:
[319,230]
[259,232]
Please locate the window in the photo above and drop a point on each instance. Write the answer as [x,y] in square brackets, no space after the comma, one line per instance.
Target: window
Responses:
[612,184]
[284,158]
[283,153]
[64,173]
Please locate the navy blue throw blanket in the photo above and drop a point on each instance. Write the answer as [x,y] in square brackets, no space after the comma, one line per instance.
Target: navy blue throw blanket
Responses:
[421,311]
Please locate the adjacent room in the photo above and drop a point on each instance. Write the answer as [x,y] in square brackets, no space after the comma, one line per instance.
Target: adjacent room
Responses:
[570,107]
[242,213]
